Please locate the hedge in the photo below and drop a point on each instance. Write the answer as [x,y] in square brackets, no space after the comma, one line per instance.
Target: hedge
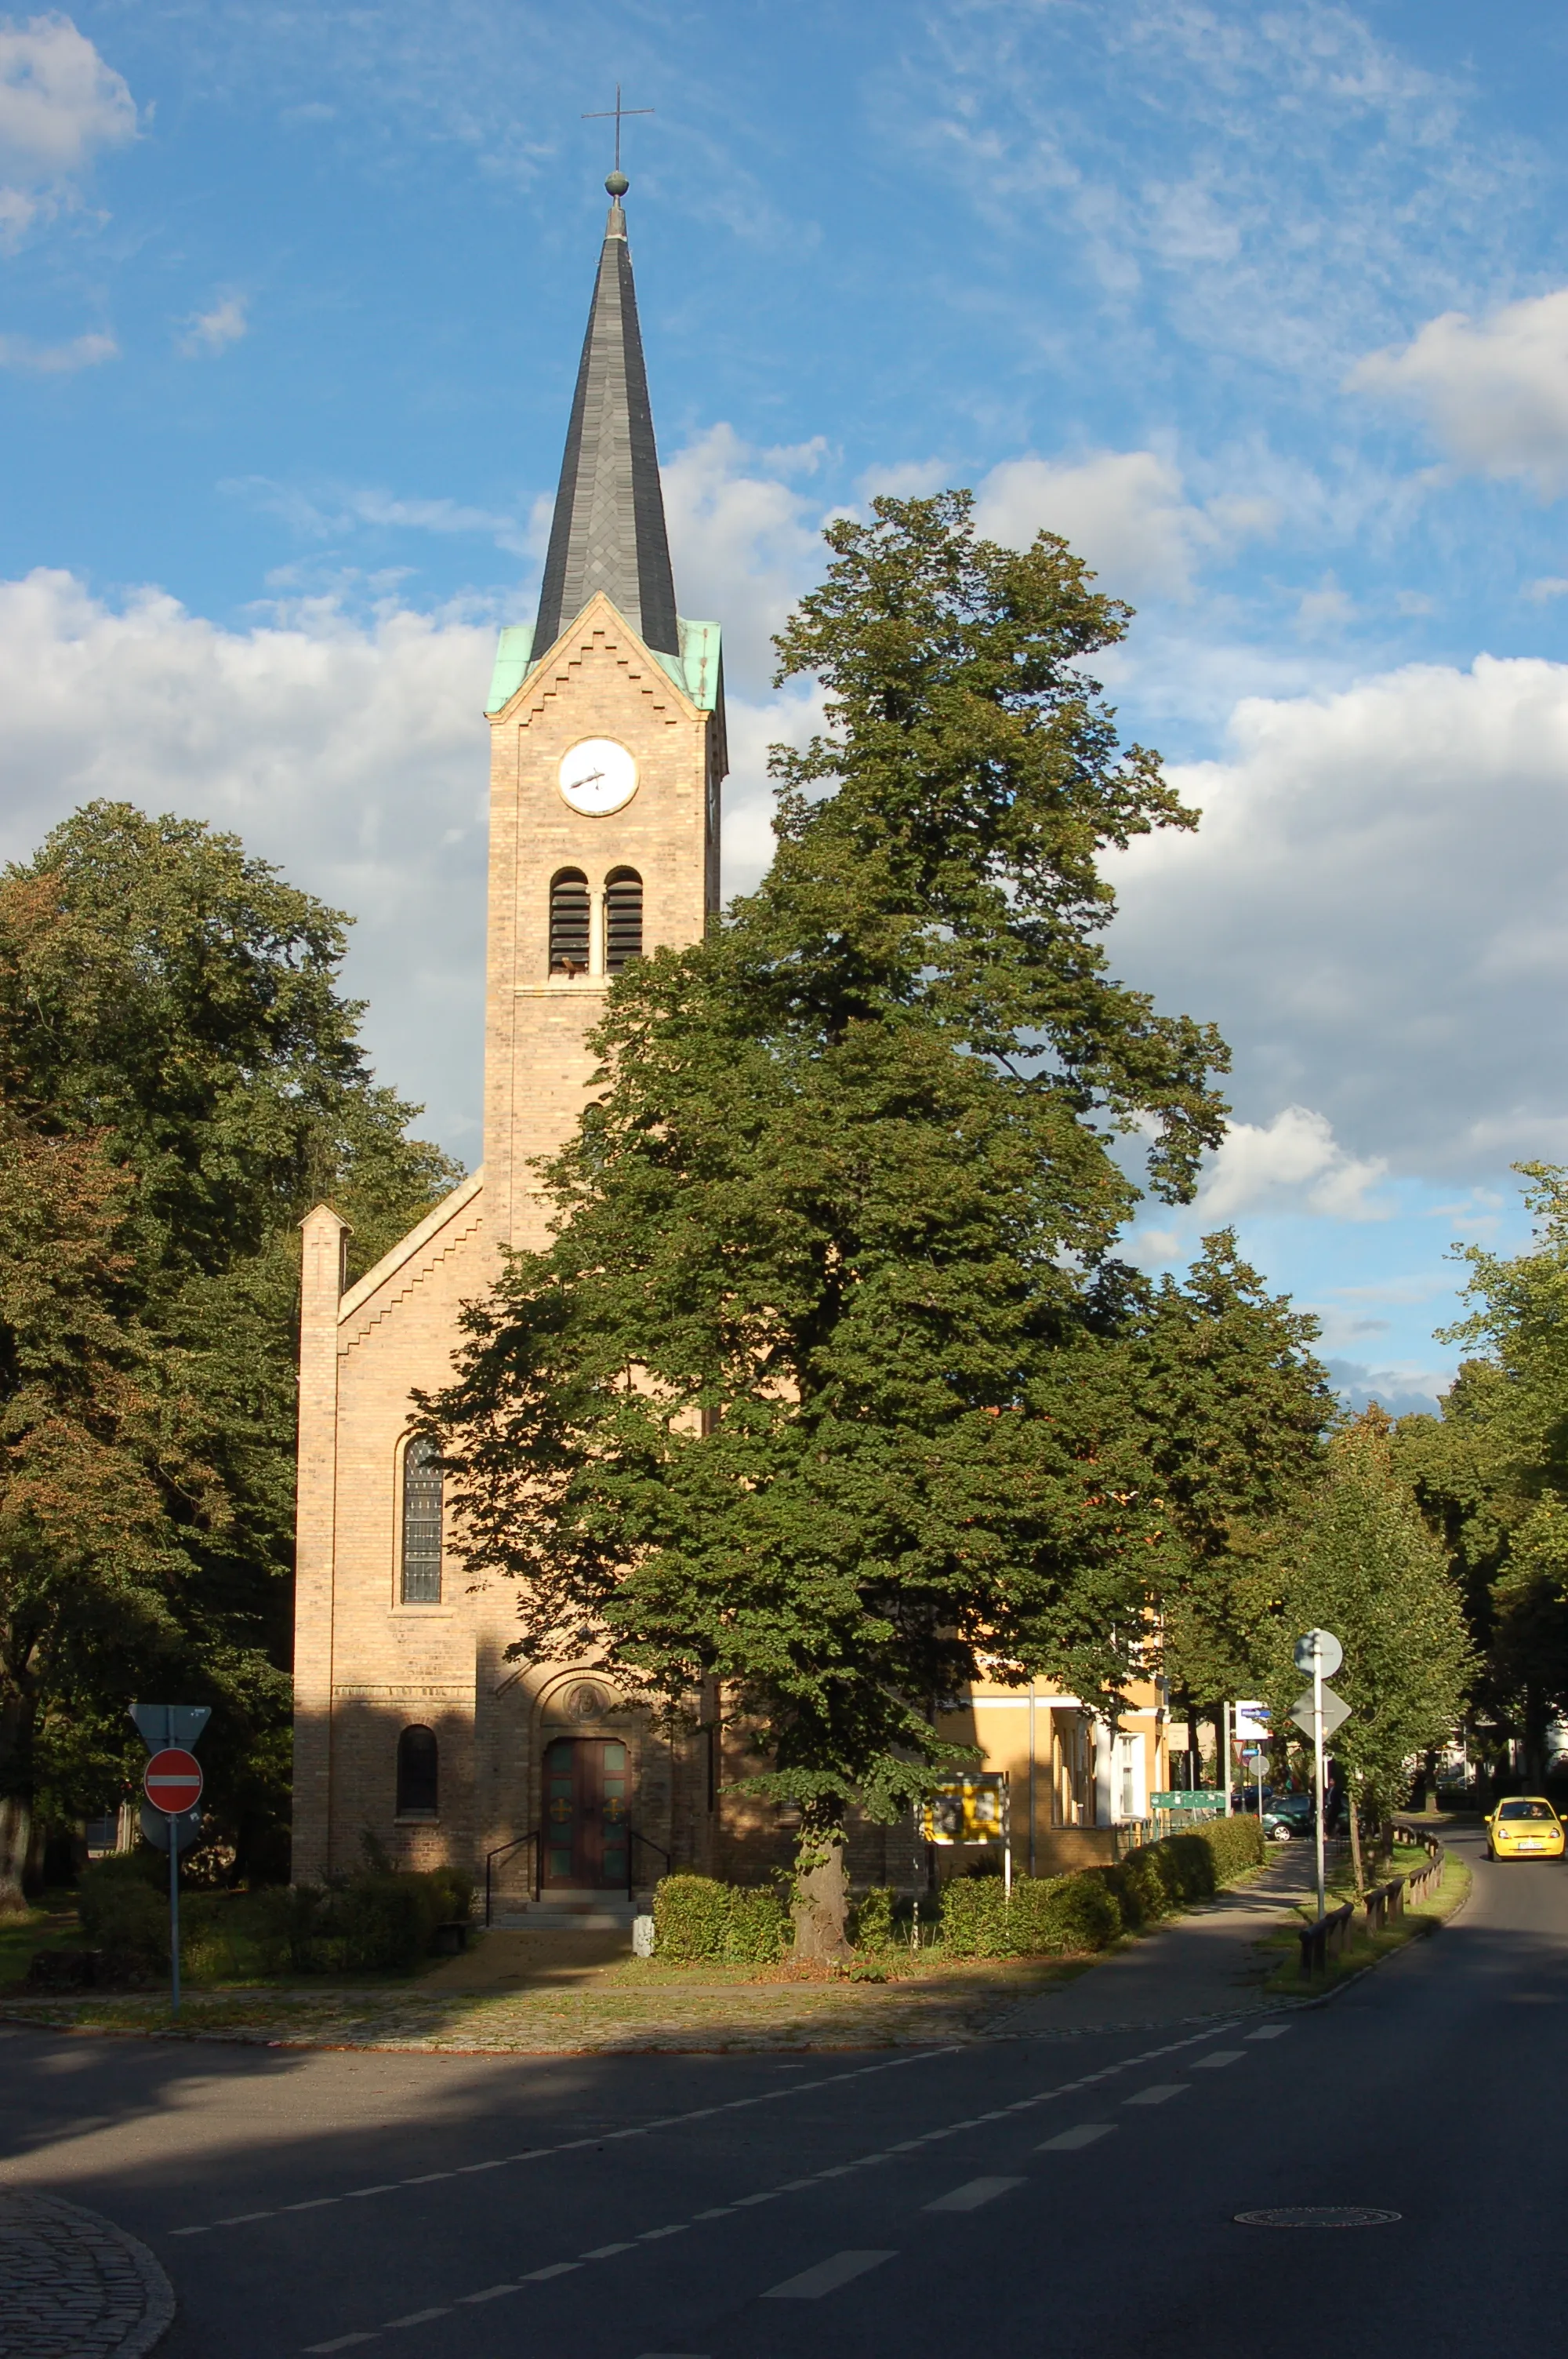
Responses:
[697,1917]
[1087,1909]
[379,1921]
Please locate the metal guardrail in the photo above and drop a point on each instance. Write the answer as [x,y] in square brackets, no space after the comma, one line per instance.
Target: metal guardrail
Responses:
[1329,1936]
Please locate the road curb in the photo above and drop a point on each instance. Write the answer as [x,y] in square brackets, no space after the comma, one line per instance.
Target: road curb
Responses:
[77,2286]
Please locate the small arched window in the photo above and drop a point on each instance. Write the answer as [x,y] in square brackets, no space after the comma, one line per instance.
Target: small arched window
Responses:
[622,918]
[421,1580]
[418,1774]
[569,922]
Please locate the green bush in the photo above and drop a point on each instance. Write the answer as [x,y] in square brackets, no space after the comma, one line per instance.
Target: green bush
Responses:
[123,1902]
[697,1917]
[877,1919]
[1087,1910]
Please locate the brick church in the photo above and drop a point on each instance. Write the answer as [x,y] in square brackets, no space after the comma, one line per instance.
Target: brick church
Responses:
[607,757]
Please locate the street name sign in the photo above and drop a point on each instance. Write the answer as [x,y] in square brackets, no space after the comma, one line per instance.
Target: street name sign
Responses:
[1335,1712]
[172,1782]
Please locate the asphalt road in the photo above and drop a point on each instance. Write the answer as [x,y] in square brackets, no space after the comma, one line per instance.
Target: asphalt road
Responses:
[1060,2196]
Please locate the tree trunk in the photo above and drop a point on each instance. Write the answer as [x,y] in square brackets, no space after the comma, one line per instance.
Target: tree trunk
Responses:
[820,1904]
[1353,1812]
[16,1833]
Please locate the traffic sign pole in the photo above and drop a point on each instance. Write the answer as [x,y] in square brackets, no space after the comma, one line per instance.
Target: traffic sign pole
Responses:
[1317,1765]
[172,1782]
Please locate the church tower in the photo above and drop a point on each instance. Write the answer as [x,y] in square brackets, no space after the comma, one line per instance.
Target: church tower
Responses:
[607,736]
[607,752]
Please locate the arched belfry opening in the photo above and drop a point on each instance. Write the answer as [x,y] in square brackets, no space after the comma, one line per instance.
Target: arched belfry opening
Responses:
[622,918]
[571,922]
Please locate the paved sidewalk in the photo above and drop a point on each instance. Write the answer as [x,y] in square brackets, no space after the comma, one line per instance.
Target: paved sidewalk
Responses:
[1203,1965]
[73,2286]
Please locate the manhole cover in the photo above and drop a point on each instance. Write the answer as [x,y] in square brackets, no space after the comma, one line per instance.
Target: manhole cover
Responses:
[1317,2215]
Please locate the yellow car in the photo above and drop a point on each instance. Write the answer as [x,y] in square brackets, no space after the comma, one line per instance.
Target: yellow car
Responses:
[1524,1827]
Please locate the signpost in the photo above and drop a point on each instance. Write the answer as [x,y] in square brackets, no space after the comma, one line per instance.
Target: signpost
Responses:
[1317,1715]
[1251,1726]
[172,1782]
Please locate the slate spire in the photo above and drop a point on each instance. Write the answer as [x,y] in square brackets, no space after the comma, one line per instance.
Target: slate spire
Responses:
[609,528]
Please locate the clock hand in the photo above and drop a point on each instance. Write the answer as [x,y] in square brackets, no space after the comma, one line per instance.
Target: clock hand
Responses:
[589,779]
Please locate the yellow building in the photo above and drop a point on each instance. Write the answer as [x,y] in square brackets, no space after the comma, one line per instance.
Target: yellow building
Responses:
[607,756]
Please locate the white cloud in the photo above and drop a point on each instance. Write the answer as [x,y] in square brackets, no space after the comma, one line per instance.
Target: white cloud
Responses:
[1549,585]
[30,359]
[1122,510]
[1375,910]
[744,540]
[60,106]
[207,333]
[352,755]
[1296,1159]
[1495,391]
[329,512]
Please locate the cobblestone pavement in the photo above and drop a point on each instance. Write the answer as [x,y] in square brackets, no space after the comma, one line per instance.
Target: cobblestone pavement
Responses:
[73,2286]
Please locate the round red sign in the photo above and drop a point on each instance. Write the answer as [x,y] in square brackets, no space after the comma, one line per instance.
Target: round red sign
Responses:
[173,1781]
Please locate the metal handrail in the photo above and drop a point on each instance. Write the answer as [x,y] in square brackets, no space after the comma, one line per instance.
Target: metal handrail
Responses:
[633,1836]
[504,1851]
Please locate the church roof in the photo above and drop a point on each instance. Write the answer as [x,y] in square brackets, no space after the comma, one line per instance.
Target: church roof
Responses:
[609,528]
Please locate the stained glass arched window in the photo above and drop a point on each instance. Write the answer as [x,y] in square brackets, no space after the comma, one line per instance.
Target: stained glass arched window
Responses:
[419,1773]
[421,1576]
[622,918]
[569,922]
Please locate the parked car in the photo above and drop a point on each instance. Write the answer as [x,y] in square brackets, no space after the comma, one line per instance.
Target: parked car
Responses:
[1285,1816]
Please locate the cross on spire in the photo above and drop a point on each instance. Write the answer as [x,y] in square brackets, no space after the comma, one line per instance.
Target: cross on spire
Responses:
[619,114]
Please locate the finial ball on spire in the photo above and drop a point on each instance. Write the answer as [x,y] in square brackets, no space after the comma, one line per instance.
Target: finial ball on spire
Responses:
[618,185]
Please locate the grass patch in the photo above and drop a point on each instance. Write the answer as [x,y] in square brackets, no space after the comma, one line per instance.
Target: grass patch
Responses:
[620,2007]
[1368,1949]
[49,1924]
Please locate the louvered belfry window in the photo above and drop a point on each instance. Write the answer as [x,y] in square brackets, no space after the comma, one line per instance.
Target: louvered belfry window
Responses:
[421,1582]
[622,918]
[569,922]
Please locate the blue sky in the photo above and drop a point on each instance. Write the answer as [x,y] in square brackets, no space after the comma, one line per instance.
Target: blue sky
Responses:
[1268,311]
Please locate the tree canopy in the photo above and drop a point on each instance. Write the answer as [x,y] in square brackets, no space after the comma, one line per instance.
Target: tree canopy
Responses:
[180,1077]
[1492,1471]
[806,1394]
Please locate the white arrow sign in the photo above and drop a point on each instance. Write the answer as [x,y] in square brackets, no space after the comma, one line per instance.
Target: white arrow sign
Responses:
[1335,1712]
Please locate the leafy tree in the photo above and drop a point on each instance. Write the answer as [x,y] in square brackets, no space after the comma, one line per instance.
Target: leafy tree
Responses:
[102,1482]
[169,1011]
[1492,1472]
[1233,1407]
[1368,1568]
[809,1395]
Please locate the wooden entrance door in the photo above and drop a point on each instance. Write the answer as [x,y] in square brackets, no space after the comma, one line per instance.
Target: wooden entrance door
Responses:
[586,1834]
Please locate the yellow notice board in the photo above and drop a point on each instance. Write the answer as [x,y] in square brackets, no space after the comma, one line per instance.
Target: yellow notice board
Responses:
[966,1809]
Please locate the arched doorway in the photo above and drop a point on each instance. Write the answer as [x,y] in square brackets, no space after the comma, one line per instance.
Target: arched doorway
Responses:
[586,1831]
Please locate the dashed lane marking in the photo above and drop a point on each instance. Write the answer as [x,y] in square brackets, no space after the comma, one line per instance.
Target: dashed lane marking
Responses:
[1072,2141]
[573,2146]
[1268,2031]
[1217,2058]
[1159,2093]
[826,2277]
[972,2194]
[1083,2135]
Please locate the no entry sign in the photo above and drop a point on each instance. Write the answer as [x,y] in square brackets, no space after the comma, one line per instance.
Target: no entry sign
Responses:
[172,1780]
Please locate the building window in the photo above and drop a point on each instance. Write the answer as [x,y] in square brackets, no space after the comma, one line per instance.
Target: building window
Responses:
[570,922]
[622,918]
[418,1774]
[421,1582]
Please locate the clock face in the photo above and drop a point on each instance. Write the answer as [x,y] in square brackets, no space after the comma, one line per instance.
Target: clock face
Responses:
[597,776]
